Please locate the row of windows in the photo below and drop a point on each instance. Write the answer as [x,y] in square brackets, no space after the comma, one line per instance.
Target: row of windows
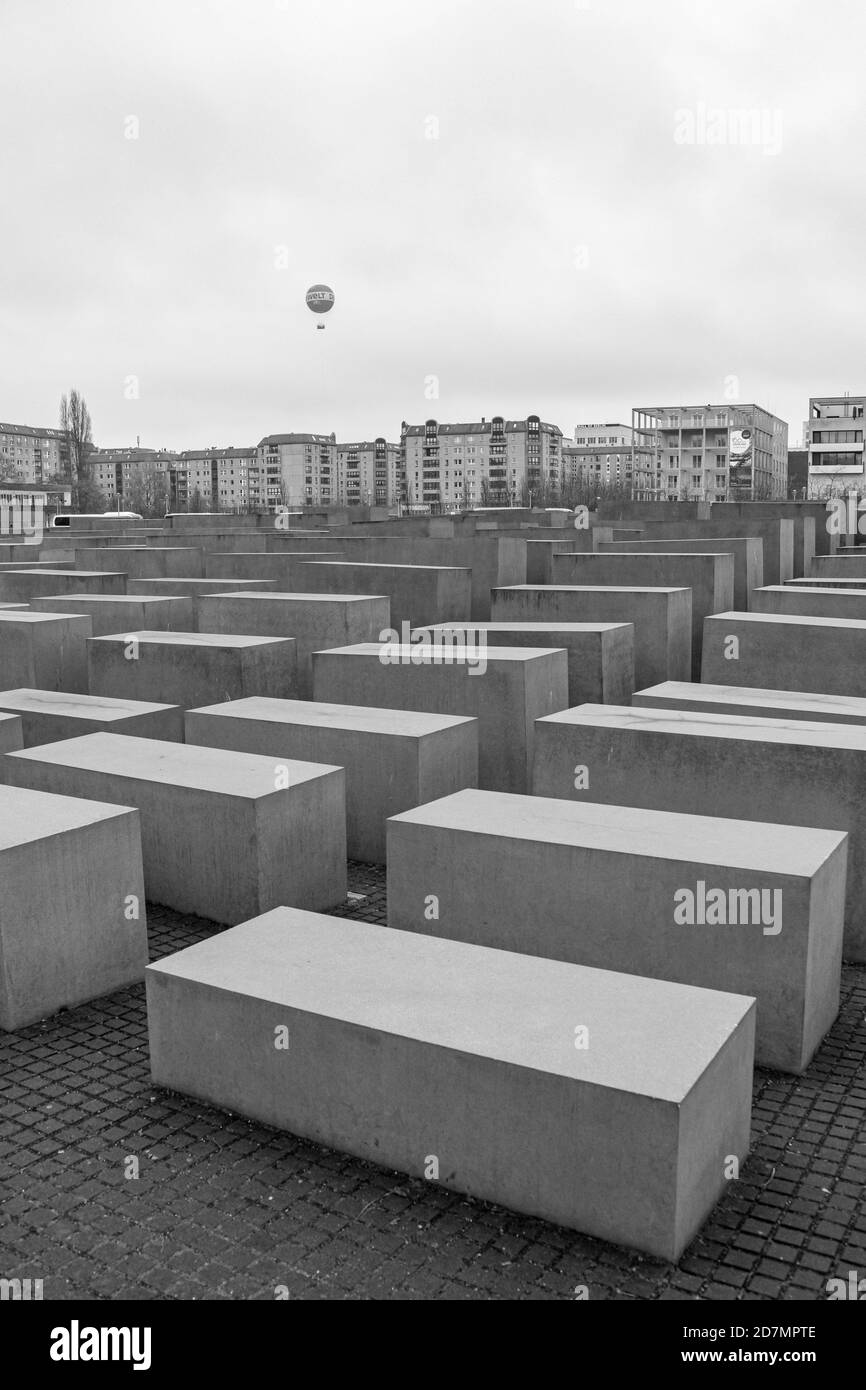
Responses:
[836,460]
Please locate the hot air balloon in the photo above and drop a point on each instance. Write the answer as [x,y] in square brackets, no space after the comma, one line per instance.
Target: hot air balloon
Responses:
[320,299]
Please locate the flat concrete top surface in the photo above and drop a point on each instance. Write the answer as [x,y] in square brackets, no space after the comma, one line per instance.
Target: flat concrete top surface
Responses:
[710,840]
[10,616]
[793,618]
[809,589]
[174,764]
[27,815]
[259,554]
[649,1037]
[823,582]
[592,589]
[637,554]
[375,565]
[62,702]
[193,639]
[214,584]
[673,540]
[470,626]
[356,718]
[425,654]
[70,599]
[700,725]
[289,597]
[79,574]
[824,706]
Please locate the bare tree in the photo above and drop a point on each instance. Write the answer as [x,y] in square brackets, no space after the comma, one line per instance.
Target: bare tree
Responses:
[76,425]
[147,491]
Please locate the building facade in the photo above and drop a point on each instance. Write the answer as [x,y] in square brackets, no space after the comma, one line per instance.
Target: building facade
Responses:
[29,454]
[132,478]
[294,470]
[712,453]
[369,472]
[216,479]
[493,462]
[833,437]
[599,455]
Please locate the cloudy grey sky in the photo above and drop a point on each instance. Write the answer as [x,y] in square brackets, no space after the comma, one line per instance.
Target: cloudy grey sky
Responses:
[535,207]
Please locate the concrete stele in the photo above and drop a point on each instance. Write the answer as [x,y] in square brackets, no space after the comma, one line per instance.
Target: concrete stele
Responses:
[190,668]
[560,879]
[786,772]
[518,685]
[72,913]
[49,716]
[394,759]
[404,1049]
[792,651]
[662,619]
[220,831]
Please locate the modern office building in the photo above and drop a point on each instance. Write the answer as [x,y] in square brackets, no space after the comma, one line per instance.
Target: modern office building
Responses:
[833,436]
[713,453]
[493,462]
[30,454]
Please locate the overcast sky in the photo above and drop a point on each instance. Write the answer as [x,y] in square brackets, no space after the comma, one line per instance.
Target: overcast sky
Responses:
[516,203]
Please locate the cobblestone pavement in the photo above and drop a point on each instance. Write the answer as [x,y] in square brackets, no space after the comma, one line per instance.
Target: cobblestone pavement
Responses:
[228,1209]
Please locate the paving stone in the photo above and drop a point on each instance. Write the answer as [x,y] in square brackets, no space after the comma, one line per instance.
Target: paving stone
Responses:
[212,1176]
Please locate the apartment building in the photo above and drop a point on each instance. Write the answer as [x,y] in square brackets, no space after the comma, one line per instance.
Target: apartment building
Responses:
[488,461]
[599,454]
[220,478]
[368,472]
[833,437]
[132,474]
[294,470]
[29,454]
[713,453]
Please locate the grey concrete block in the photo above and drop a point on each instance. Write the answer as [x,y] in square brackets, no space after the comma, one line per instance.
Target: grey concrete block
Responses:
[394,759]
[748,908]
[223,834]
[600,655]
[190,668]
[790,651]
[514,688]
[110,613]
[45,650]
[49,716]
[662,620]
[72,914]
[403,1047]
[709,576]
[787,772]
[316,622]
